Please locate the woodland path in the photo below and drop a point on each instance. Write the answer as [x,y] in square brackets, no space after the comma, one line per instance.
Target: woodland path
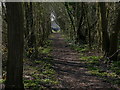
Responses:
[72,73]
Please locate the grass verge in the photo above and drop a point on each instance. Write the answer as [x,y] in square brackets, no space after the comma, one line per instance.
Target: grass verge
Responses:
[96,66]
[39,73]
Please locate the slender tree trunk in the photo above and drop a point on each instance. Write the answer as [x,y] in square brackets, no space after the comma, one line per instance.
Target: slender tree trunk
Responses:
[113,54]
[88,27]
[14,79]
[32,35]
[26,6]
[104,24]
[71,19]
[80,36]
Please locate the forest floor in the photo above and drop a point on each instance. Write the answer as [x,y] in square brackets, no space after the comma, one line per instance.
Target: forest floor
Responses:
[63,65]
[73,71]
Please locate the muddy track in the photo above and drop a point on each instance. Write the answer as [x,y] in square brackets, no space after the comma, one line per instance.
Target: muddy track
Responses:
[71,72]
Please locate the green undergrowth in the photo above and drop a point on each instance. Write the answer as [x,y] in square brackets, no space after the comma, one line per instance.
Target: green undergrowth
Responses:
[80,48]
[77,47]
[2,81]
[110,73]
[44,50]
[39,73]
[115,66]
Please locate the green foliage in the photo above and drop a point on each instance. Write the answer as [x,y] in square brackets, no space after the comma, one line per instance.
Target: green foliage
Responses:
[2,81]
[92,58]
[47,43]
[76,47]
[49,72]
[115,66]
[79,48]
[44,50]
[100,73]
[30,51]
[93,65]
[41,75]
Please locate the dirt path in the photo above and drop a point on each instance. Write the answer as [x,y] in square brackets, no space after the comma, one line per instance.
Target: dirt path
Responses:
[71,72]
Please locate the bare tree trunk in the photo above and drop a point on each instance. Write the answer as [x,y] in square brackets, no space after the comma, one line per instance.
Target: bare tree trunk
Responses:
[32,35]
[14,79]
[113,54]
[71,19]
[104,24]
[80,37]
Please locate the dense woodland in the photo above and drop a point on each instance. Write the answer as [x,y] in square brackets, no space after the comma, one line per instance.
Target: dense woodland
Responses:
[87,28]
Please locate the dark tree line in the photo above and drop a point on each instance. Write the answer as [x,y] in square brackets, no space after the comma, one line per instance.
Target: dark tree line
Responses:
[26,26]
[93,24]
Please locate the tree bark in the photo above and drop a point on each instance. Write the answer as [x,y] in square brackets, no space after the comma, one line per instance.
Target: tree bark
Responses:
[80,37]
[71,19]
[14,79]
[113,54]
[104,24]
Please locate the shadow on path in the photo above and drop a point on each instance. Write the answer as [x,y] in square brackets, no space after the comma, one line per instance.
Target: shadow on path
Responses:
[71,72]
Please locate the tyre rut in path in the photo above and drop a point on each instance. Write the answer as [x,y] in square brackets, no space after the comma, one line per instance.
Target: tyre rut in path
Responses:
[71,72]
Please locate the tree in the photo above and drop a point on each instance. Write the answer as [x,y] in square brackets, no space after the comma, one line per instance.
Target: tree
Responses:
[113,53]
[15,19]
[80,36]
[71,19]
[104,25]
